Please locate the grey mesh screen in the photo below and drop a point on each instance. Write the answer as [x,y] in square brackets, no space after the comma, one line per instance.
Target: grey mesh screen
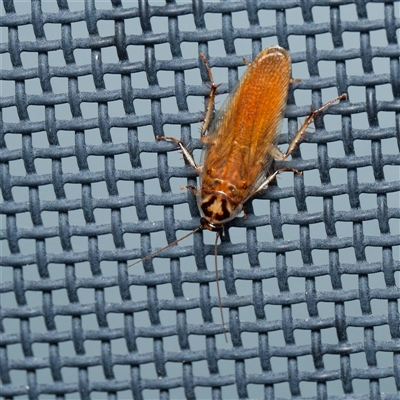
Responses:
[309,281]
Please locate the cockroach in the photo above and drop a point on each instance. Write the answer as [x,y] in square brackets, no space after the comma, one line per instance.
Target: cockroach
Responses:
[240,143]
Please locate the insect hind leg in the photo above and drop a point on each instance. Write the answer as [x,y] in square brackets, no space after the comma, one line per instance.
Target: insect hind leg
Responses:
[313,114]
[277,154]
[206,122]
[211,98]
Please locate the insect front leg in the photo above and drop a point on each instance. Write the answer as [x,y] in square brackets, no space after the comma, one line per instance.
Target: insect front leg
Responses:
[192,188]
[269,179]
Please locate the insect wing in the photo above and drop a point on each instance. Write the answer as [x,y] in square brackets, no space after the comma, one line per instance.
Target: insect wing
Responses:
[239,143]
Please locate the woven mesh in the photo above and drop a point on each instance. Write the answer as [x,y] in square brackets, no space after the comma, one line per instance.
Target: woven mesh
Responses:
[309,280]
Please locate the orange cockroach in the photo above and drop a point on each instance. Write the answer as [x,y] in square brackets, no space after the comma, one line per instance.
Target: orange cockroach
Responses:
[241,142]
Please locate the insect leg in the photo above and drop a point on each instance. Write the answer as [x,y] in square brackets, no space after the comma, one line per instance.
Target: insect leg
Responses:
[296,140]
[207,117]
[191,187]
[269,179]
[185,151]
[211,100]
[277,154]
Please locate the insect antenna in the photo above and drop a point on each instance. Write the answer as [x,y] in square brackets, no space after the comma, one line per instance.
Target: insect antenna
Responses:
[218,288]
[166,247]
[217,236]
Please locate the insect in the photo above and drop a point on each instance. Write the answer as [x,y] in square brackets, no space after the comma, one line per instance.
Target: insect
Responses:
[240,143]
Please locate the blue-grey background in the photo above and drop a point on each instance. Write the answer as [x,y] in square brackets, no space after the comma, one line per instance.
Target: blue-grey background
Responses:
[110,363]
